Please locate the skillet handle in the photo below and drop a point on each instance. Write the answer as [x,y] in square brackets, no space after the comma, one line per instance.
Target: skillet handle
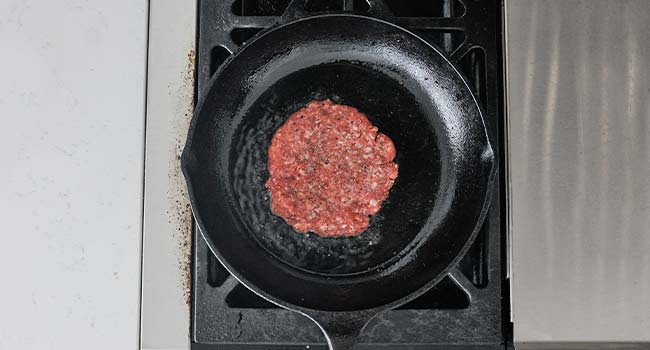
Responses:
[295,10]
[379,9]
[342,329]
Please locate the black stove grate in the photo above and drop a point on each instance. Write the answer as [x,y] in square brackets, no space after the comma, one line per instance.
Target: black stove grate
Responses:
[464,311]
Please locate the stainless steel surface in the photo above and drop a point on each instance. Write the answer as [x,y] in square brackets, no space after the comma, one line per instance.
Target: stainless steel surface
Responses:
[578,75]
[165,318]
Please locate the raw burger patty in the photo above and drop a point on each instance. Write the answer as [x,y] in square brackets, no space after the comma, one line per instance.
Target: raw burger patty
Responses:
[329,170]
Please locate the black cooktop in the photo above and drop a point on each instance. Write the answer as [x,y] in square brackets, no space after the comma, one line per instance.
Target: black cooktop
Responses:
[468,309]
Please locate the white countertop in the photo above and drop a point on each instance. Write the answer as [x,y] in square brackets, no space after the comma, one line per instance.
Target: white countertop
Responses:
[72,103]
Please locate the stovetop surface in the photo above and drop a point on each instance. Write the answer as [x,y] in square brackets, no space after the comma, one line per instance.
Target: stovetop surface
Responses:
[468,308]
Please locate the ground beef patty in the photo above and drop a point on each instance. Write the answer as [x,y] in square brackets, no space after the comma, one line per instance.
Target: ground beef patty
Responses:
[329,169]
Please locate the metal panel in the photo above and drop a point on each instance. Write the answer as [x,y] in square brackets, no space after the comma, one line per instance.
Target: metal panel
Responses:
[579,165]
[167,217]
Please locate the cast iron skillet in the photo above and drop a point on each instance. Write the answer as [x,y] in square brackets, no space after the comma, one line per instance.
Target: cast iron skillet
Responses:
[433,212]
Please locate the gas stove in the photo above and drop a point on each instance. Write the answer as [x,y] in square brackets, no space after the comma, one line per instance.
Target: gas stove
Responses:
[468,307]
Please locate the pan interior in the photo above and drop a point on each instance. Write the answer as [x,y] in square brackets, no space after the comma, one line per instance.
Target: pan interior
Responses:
[395,111]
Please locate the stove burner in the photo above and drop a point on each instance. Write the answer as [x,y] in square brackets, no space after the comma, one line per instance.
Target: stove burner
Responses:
[465,308]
